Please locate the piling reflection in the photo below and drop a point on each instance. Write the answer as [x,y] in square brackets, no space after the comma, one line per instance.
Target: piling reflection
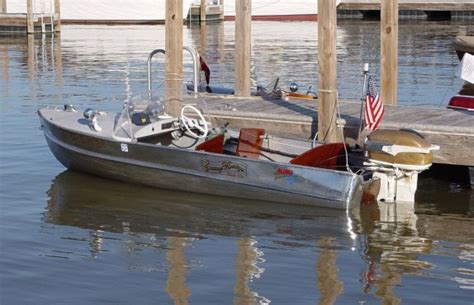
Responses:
[176,283]
[5,62]
[330,286]
[247,269]
[31,58]
[385,240]
[57,58]
[36,52]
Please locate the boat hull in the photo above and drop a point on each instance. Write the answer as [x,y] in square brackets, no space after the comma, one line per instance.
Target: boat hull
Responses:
[463,44]
[200,172]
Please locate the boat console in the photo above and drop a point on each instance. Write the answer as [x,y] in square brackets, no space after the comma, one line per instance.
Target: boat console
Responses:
[143,119]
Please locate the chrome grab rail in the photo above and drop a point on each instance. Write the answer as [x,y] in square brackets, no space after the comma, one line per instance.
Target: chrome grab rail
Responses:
[195,57]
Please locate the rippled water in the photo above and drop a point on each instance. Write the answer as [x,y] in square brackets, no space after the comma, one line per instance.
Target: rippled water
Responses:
[70,238]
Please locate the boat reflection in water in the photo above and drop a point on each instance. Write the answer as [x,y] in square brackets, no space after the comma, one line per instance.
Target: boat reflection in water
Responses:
[390,246]
[383,239]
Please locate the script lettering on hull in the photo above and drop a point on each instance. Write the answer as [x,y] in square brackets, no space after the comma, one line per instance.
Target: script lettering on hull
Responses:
[228,168]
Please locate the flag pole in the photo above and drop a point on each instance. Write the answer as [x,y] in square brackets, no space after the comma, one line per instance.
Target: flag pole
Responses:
[363,98]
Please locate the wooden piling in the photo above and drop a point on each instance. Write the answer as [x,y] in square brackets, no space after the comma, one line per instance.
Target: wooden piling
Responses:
[243,20]
[3,6]
[173,56]
[203,10]
[57,12]
[29,17]
[389,51]
[327,93]
[203,44]
[222,16]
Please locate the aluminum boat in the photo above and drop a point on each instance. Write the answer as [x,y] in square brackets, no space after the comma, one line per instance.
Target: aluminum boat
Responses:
[143,145]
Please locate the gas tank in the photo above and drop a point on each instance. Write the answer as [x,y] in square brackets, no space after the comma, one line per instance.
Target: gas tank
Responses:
[399,147]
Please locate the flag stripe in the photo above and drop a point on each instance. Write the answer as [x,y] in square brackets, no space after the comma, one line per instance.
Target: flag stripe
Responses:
[374,110]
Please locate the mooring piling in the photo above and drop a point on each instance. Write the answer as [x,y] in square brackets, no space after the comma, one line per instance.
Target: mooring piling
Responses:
[389,52]
[243,21]
[173,56]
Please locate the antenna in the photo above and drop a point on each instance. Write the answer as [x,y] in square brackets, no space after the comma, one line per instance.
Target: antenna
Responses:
[362,101]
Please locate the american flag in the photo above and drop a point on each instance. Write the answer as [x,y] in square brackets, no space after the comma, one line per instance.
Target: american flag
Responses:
[373,106]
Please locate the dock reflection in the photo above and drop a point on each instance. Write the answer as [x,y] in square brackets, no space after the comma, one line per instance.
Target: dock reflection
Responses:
[36,53]
[385,239]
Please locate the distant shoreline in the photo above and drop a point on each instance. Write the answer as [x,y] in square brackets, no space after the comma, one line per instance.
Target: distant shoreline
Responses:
[307,17]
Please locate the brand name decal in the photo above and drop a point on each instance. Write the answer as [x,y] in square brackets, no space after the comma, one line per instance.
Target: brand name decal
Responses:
[228,168]
[285,172]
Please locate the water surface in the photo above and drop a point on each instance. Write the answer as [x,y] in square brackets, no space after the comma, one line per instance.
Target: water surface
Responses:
[71,238]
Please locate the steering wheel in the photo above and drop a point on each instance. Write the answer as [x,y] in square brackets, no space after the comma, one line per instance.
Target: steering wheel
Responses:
[190,124]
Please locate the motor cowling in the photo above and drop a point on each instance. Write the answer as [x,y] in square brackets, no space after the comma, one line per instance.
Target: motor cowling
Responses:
[400,148]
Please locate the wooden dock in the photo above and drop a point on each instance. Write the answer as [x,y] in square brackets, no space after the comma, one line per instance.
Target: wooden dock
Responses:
[410,5]
[452,130]
[18,23]
[32,22]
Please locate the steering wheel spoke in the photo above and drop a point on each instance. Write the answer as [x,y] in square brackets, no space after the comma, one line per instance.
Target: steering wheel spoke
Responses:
[191,124]
[200,128]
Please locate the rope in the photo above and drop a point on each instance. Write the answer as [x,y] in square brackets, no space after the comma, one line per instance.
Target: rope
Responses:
[337,111]
[173,77]
[328,90]
[332,117]
[342,137]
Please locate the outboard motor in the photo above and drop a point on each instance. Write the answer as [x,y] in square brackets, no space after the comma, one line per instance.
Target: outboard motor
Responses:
[396,157]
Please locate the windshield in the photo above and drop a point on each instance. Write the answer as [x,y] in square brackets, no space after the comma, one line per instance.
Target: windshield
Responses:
[138,111]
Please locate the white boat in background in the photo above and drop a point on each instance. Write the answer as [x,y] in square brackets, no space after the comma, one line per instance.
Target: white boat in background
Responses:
[277,10]
[153,11]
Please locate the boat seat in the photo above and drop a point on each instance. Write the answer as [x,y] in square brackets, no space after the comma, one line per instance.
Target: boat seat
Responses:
[330,156]
[250,143]
[213,145]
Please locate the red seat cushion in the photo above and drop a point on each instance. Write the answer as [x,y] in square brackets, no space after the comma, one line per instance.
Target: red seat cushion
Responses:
[214,145]
[324,156]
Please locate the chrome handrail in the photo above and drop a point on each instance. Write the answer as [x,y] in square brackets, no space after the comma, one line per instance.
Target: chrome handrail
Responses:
[195,57]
